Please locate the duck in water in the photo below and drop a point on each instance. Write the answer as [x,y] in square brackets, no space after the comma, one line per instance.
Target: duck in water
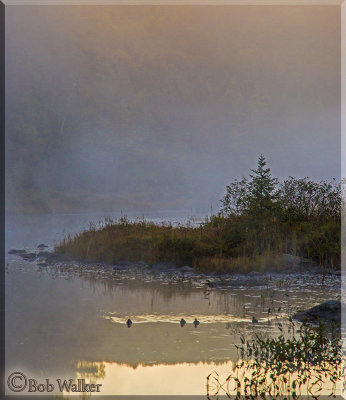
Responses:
[182,322]
[129,323]
[196,322]
[254,320]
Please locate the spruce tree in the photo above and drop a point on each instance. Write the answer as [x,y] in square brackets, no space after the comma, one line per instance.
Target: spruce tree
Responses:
[262,193]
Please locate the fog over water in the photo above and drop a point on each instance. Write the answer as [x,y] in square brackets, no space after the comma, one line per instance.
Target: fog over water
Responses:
[143,108]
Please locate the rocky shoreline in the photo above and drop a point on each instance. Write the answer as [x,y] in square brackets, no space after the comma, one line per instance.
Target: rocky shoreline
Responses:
[166,272]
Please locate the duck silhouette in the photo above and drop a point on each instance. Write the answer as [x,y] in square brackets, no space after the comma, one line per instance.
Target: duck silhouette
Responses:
[129,323]
[196,322]
[182,322]
[254,320]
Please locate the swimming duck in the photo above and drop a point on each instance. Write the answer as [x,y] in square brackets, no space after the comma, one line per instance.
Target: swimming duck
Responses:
[196,322]
[129,323]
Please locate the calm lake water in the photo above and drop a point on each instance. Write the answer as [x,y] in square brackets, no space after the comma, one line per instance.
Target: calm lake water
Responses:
[71,323]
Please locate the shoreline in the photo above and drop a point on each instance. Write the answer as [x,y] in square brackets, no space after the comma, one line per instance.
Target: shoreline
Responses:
[170,274]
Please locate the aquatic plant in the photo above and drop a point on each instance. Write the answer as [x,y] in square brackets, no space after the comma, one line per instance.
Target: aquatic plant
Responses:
[308,362]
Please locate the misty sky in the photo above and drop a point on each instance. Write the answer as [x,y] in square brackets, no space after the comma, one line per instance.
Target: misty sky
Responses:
[161,107]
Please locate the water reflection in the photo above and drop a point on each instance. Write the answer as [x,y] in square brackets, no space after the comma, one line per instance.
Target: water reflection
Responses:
[58,316]
[56,320]
[158,379]
[175,379]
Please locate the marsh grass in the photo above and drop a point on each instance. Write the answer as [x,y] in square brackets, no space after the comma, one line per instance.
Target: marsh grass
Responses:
[308,363]
[235,244]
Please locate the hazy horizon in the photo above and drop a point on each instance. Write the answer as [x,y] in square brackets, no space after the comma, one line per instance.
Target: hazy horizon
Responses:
[156,107]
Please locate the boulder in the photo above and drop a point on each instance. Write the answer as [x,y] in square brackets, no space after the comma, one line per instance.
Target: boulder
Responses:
[291,261]
[329,311]
[255,273]
[162,266]
[44,254]
[186,268]
[42,264]
[54,257]
[124,263]
[29,256]
[17,251]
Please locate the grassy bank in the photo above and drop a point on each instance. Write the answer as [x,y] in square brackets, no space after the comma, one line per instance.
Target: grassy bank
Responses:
[233,244]
[260,221]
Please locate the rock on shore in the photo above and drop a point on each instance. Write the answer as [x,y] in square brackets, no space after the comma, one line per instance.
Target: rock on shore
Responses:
[330,311]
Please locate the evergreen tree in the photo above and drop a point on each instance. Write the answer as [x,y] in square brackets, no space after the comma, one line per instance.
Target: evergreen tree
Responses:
[262,189]
[256,195]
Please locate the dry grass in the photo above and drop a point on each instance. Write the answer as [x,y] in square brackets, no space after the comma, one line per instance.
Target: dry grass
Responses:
[219,244]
